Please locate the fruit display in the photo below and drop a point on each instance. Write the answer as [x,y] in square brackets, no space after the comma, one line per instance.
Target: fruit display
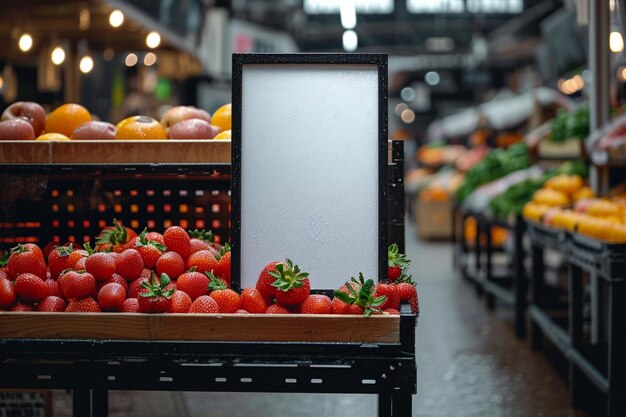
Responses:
[436,155]
[153,273]
[28,121]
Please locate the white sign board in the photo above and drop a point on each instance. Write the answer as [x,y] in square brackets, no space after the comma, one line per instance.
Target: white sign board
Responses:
[309,165]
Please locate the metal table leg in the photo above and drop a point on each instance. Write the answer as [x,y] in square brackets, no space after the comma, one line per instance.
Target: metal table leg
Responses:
[576,377]
[537,290]
[520,285]
[401,405]
[617,346]
[384,405]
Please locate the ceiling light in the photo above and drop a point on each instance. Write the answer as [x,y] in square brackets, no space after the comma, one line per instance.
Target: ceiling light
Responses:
[57,56]
[350,41]
[347,13]
[84,19]
[408,94]
[408,116]
[1,82]
[153,40]
[400,107]
[116,18]
[432,78]
[86,64]
[131,59]
[149,59]
[616,42]
[25,42]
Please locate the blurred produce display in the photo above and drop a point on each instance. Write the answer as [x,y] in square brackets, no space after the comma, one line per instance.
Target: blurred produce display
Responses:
[567,125]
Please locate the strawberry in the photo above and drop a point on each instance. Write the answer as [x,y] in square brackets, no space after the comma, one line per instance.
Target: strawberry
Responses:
[194,283]
[130,305]
[202,260]
[52,303]
[391,311]
[316,304]
[77,284]
[135,286]
[30,288]
[115,279]
[53,287]
[176,239]
[101,265]
[129,264]
[111,297]
[293,286]
[113,238]
[59,260]
[396,262]
[155,237]
[180,302]
[80,264]
[22,307]
[227,300]
[204,304]
[3,274]
[201,240]
[265,281]
[7,294]
[150,250]
[252,301]
[25,258]
[154,297]
[35,249]
[358,293]
[49,248]
[170,263]
[277,309]
[83,305]
[389,291]
[407,292]
[223,264]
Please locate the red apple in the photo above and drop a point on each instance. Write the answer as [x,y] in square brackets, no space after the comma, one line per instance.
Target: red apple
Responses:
[32,112]
[16,129]
[95,130]
[180,113]
[193,129]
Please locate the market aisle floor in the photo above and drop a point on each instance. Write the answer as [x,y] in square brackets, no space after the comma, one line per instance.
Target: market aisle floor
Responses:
[470,365]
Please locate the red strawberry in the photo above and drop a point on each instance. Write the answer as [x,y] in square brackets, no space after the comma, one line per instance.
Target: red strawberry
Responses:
[200,240]
[59,260]
[180,302]
[30,288]
[52,303]
[316,304]
[265,281]
[154,297]
[150,250]
[170,263]
[204,304]
[101,265]
[114,238]
[111,297]
[407,292]
[252,301]
[155,237]
[391,311]
[223,264]
[227,300]
[130,305]
[35,249]
[135,286]
[53,287]
[203,261]
[25,258]
[77,284]
[49,248]
[7,294]
[80,264]
[145,273]
[194,283]
[389,291]
[293,286]
[396,262]
[129,264]
[115,279]
[356,296]
[176,239]
[83,305]
[277,309]
[3,274]
[22,307]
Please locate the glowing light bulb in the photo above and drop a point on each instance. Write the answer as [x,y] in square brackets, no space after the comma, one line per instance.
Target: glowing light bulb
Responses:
[86,64]
[57,56]
[25,42]
[116,18]
[153,40]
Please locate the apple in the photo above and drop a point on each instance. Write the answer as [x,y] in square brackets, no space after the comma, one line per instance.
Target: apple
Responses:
[32,112]
[16,129]
[193,129]
[95,130]
[179,113]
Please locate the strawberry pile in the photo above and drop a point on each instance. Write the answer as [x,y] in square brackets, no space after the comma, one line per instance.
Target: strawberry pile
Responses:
[174,272]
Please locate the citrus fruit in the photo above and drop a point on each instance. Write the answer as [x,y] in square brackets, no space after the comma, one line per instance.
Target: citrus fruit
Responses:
[222,117]
[140,127]
[53,136]
[226,135]
[66,118]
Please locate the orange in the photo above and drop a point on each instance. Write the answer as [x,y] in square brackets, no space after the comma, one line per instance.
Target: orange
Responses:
[53,136]
[141,128]
[550,197]
[66,118]
[222,117]
[225,135]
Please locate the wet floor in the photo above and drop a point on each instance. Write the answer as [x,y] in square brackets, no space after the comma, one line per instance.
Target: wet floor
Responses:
[470,364]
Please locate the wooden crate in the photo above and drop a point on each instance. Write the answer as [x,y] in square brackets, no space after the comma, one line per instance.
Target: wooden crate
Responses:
[433,219]
[200,327]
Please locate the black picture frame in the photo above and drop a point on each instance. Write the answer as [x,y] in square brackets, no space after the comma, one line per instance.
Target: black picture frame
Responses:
[238,62]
